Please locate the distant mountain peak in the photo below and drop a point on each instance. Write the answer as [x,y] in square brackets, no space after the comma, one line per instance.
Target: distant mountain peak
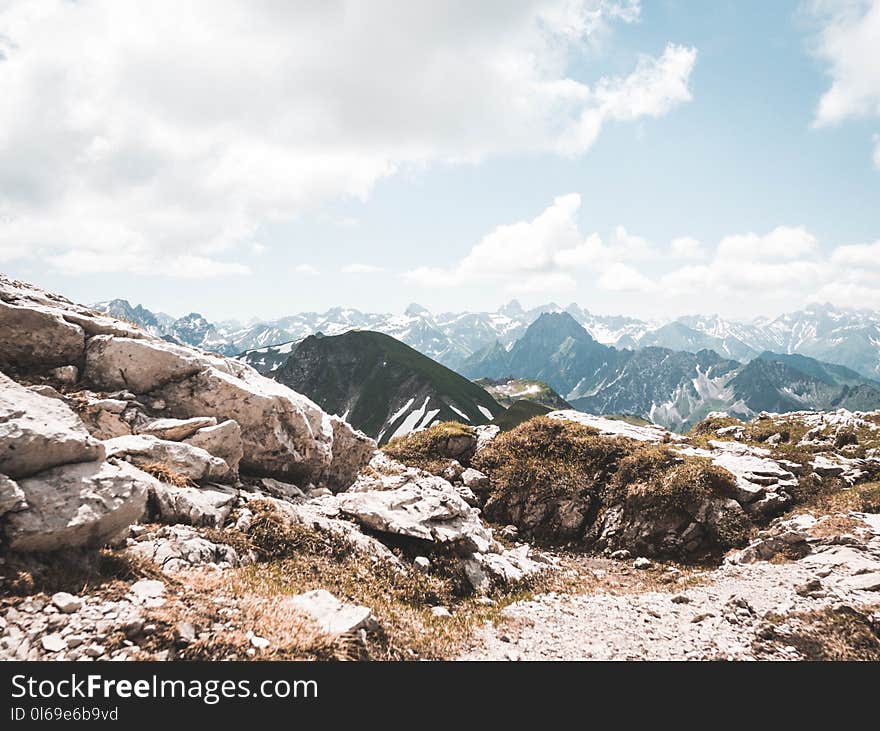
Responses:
[414,309]
[512,308]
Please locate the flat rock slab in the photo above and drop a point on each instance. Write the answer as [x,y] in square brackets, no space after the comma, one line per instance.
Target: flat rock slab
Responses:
[176,430]
[77,505]
[331,615]
[38,432]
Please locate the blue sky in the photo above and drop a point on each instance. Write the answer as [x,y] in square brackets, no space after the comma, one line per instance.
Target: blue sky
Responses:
[190,168]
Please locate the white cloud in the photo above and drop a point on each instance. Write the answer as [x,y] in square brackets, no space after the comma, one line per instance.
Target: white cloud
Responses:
[361,269]
[858,256]
[544,254]
[687,247]
[171,128]
[306,269]
[655,87]
[544,284]
[783,243]
[623,278]
[848,41]
[258,248]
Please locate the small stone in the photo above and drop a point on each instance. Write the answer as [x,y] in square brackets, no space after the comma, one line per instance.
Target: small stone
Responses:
[680,599]
[67,603]
[147,589]
[422,564]
[54,643]
[510,532]
[440,612]
[260,643]
[621,555]
[95,650]
[813,585]
[642,563]
[74,640]
[186,633]
[701,617]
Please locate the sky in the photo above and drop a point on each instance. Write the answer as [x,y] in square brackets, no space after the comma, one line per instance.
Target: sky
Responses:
[651,158]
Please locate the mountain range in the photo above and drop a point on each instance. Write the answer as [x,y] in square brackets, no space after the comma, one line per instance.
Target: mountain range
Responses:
[843,336]
[674,388]
[382,386]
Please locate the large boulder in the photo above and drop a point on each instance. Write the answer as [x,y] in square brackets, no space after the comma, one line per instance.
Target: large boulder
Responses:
[184,459]
[191,506]
[223,440]
[283,432]
[140,365]
[38,432]
[38,337]
[392,498]
[78,505]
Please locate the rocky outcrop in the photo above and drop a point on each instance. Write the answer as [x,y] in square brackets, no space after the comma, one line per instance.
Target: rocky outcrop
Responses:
[223,441]
[176,548]
[77,505]
[208,507]
[404,501]
[183,459]
[37,432]
[32,336]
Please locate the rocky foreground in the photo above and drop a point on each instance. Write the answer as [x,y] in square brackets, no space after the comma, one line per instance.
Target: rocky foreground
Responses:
[159,502]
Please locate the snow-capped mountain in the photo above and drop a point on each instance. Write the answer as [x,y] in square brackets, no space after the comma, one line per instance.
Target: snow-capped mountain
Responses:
[847,337]
[381,386]
[674,388]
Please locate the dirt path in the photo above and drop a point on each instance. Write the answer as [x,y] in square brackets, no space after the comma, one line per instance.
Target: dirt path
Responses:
[740,612]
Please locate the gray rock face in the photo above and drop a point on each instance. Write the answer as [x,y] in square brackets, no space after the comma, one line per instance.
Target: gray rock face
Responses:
[324,515]
[38,337]
[185,459]
[190,505]
[223,441]
[11,496]
[37,432]
[176,430]
[331,615]
[176,548]
[76,505]
[139,365]
[407,502]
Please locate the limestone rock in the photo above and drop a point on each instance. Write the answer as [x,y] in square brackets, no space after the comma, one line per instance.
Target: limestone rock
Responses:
[223,441]
[37,432]
[76,505]
[191,506]
[11,496]
[417,505]
[177,548]
[176,430]
[139,365]
[192,462]
[331,615]
[475,480]
[32,336]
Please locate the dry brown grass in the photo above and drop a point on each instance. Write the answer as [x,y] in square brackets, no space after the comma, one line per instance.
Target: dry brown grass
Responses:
[296,559]
[547,463]
[835,634]
[164,473]
[429,449]
[864,498]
